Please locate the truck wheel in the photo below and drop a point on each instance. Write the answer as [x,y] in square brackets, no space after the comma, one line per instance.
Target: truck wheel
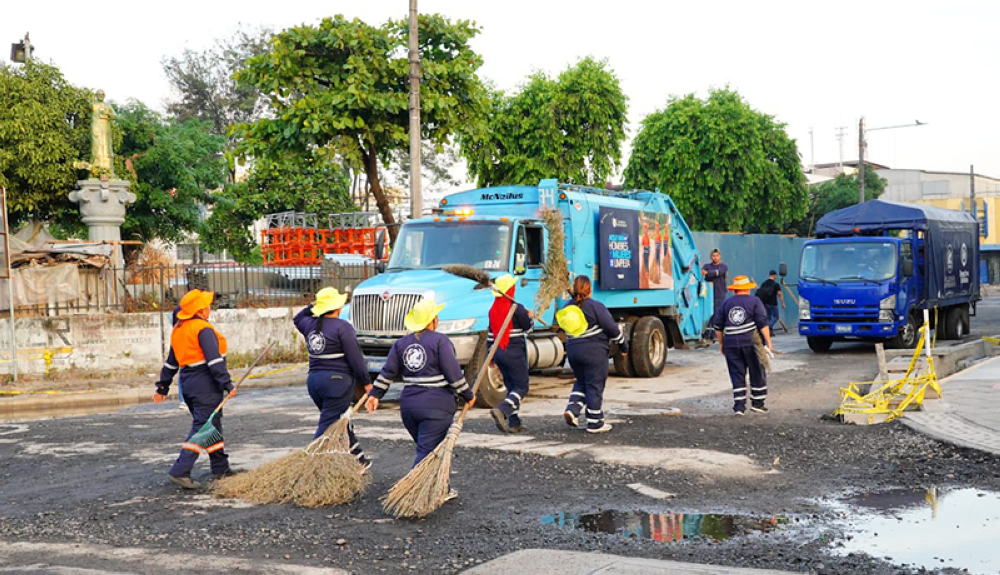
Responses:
[819,344]
[490,392]
[623,365]
[649,347]
[956,324]
[908,335]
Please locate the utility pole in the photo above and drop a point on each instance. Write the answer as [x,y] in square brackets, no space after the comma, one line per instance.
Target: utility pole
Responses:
[416,195]
[861,161]
[812,152]
[841,133]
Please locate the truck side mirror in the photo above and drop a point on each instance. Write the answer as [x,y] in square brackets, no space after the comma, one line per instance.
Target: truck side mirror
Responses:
[380,246]
[379,266]
[783,269]
[906,267]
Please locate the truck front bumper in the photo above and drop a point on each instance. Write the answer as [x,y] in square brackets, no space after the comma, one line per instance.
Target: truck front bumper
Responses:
[376,348]
[848,330]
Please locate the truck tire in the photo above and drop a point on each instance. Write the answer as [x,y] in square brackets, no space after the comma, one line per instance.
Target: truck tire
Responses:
[908,336]
[956,323]
[819,344]
[623,365]
[491,392]
[648,351]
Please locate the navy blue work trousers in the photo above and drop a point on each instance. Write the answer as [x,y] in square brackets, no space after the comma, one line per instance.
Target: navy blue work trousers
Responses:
[202,395]
[333,393]
[590,366]
[427,414]
[743,361]
[513,364]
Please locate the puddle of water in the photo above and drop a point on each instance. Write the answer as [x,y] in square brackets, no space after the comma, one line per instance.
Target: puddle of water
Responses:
[665,527]
[931,528]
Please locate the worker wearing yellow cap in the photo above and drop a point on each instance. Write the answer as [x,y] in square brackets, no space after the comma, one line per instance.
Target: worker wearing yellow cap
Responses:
[511,355]
[336,363]
[425,360]
[198,351]
[734,324]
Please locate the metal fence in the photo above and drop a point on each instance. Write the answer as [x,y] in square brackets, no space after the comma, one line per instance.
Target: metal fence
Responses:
[140,289]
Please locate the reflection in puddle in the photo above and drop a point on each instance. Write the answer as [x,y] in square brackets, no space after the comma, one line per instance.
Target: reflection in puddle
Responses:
[665,527]
[932,528]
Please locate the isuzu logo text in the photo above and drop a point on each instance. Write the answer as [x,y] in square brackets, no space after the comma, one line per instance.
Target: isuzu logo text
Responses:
[845,301]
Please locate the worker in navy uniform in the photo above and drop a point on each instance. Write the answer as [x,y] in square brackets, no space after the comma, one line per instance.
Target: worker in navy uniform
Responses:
[734,324]
[335,362]
[590,329]
[426,362]
[198,351]
[511,355]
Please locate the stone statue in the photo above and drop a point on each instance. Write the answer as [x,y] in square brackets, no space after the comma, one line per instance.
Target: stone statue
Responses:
[100,137]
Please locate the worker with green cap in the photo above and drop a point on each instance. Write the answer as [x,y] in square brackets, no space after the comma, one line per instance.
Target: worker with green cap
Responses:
[425,360]
[512,353]
[336,363]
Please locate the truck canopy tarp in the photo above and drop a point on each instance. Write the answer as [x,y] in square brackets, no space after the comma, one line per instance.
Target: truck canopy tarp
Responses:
[880,215]
[952,241]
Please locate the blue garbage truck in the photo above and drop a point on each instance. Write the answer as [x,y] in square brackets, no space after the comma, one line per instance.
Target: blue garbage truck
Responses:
[875,266]
[634,245]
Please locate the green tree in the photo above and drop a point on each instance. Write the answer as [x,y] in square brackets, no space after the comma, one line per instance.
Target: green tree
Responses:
[727,166]
[836,194]
[44,129]
[172,166]
[342,86]
[204,85]
[317,184]
[571,127]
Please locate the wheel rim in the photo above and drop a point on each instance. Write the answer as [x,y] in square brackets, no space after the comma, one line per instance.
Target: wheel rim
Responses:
[960,329]
[494,381]
[909,332]
[657,348]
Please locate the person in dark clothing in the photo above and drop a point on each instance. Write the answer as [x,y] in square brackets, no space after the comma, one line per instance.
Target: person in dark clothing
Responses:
[180,376]
[336,363]
[769,292]
[511,355]
[590,329]
[426,361]
[716,272]
[734,325]
[198,350]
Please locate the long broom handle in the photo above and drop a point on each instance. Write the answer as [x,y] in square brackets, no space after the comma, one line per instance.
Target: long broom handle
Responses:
[486,364]
[514,301]
[242,379]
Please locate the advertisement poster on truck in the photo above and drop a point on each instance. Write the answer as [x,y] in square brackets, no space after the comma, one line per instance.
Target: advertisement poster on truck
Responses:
[635,250]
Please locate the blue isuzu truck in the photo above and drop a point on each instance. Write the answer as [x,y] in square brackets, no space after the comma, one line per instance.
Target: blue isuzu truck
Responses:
[634,245]
[875,266]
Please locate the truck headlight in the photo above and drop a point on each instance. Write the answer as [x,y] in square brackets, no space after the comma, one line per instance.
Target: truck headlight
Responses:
[886,315]
[888,303]
[804,313]
[456,325]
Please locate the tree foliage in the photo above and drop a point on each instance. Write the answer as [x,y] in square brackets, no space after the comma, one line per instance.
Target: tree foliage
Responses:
[836,194]
[727,166]
[342,86]
[172,165]
[571,127]
[204,85]
[44,128]
[317,184]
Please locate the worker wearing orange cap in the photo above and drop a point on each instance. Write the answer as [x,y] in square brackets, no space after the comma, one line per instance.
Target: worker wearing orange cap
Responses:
[734,323]
[198,351]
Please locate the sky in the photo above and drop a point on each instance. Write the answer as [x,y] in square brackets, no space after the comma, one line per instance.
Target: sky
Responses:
[815,66]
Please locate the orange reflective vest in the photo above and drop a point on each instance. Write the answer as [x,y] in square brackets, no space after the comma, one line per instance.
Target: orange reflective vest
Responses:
[184,342]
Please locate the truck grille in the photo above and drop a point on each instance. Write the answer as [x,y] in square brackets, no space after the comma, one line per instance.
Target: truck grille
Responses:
[372,312]
[845,314]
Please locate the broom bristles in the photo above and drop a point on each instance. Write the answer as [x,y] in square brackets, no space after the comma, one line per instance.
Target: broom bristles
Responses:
[555,270]
[205,437]
[425,488]
[481,277]
[758,345]
[322,474]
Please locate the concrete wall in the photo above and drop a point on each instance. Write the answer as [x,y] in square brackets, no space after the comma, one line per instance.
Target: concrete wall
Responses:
[754,255]
[120,342]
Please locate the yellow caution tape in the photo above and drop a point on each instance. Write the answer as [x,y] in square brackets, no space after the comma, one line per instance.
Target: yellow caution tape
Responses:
[50,391]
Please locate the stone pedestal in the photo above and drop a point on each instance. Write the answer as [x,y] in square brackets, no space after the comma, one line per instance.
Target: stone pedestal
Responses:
[102,208]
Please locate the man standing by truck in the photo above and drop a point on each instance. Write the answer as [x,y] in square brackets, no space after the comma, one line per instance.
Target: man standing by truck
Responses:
[769,292]
[734,324]
[715,272]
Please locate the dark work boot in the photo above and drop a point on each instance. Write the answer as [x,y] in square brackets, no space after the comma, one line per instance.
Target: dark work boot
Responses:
[184,482]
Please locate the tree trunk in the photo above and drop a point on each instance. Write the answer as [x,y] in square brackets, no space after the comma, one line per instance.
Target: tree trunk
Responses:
[371,170]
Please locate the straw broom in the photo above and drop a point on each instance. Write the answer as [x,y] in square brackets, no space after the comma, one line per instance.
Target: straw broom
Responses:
[324,473]
[555,271]
[425,488]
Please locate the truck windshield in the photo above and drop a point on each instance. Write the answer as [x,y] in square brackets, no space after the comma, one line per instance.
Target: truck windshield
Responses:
[849,261]
[426,245]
